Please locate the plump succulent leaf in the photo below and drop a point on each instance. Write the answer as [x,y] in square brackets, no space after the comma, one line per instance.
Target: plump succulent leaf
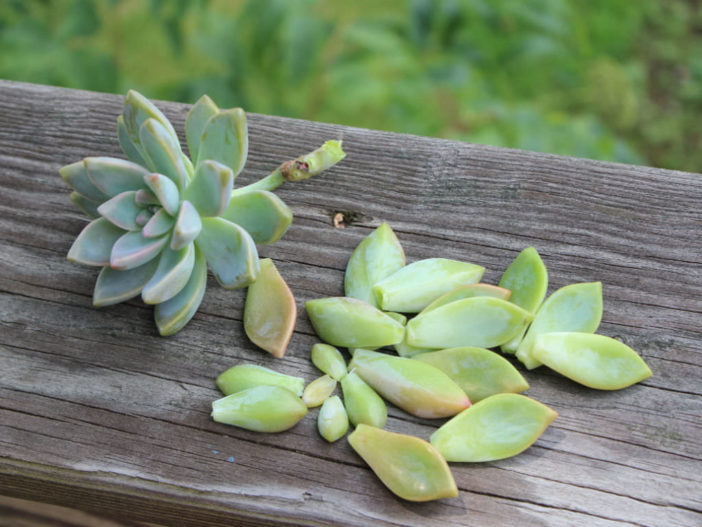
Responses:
[263,214]
[126,144]
[138,109]
[187,226]
[76,176]
[164,152]
[122,211]
[332,420]
[225,139]
[165,190]
[244,376]
[363,405]
[132,250]
[94,244]
[230,252]
[201,112]
[469,291]
[113,286]
[144,216]
[146,197]
[211,188]
[87,205]
[261,409]
[114,176]
[159,224]
[171,276]
[329,360]
[172,315]
[318,391]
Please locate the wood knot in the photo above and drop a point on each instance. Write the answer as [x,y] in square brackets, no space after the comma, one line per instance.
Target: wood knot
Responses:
[343,219]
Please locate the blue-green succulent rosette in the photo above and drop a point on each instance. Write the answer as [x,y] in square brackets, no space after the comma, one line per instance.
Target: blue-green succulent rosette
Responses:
[161,218]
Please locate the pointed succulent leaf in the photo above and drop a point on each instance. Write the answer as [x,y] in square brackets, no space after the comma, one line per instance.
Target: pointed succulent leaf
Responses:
[94,244]
[270,311]
[122,210]
[263,214]
[498,427]
[211,189]
[172,315]
[113,287]
[189,168]
[159,224]
[329,360]
[575,307]
[137,109]
[87,205]
[225,139]
[261,409]
[164,152]
[480,321]
[146,197]
[165,190]
[144,216]
[418,388]
[114,176]
[132,250]
[76,176]
[332,421]
[478,371]
[378,256]
[469,291]
[415,286]
[352,323]
[318,391]
[201,112]
[171,276]
[244,376]
[362,404]
[593,360]
[230,252]
[187,226]
[408,466]
[129,149]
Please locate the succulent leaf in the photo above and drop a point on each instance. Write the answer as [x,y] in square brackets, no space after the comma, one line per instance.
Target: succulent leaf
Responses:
[332,420]
[211,188]
[469,291]
[132,250]
[164,151]
[138,109]
[230,252]
[159,224]
[172,274]
[318,391]
[144,216]
[187,226]
[165,190]
[329,360]
[263,214]
[172,315]
[146,197]
[225,139]
[114,176]
[244,376]
[128,147]
[76,176]
[113,286]
[122,210]
[94,244]
[363,405]
[201,112]
[87,205]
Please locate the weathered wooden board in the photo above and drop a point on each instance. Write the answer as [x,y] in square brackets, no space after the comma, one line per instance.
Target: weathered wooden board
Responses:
[99,413]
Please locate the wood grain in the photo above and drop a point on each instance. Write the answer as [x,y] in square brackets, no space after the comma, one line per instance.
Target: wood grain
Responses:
[99,413]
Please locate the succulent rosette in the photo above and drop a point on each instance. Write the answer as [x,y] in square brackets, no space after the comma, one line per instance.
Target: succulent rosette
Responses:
[161,217]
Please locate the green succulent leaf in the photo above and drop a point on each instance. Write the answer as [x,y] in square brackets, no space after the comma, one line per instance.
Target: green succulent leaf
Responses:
[225,139]
[114,176]
[164,152]
[146,197]
[132,250]
[113,286]
[138,109]
[94,243]
[87,205]
[244,376]
[230,252]
[76,176]
[172,315]
[165,190]
[144,216]
[122,210]
[263,214]
[201,112]
[159,224]
[128,147]
[211,188]
[187,226]
[171,276]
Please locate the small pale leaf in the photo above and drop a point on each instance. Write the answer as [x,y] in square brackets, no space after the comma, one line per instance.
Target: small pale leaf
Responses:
[362,404]
[113,287]
[263,214]
[132,250]
[94,244]
[122,210]
[159,224]
[329,360]
[165,190]
[187,226]
[171,276]
[211,189]
[114,176]
[332,420]
[243,376]
[318,391]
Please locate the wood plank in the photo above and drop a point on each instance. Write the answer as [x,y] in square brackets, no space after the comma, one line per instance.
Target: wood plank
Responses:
[99,413]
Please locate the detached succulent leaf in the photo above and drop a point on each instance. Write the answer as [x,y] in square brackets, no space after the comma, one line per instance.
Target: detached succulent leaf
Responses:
[329,360]
[244,376]
[318,391]
[201,112]
[94,244]
[263,214]
[230,252]
[225,139]
[122,211]
[332,421]
[76,176]
[211,189]
[132,250]
[469,291]
[114,176]
[113,286]
[187,226]
[164,152]
[362,403]
[171,276]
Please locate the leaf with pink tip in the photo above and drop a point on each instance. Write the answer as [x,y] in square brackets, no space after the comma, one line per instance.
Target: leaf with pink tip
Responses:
[122,211]
[164,151]
[94,243]
[187,226]
[159,224]
[173,272]
[263,214]
[133,250]
[114,176]
[113,286]
[211,188]
[165,190]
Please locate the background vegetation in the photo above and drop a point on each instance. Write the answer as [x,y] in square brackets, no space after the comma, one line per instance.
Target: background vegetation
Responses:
[607,79]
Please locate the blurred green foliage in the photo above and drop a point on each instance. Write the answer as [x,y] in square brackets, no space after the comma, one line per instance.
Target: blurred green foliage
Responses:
[607,79]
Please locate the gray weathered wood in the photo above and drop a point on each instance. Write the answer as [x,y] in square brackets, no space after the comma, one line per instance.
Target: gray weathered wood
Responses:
[99,413]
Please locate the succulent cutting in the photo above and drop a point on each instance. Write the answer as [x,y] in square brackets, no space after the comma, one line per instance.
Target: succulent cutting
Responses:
[161,218]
